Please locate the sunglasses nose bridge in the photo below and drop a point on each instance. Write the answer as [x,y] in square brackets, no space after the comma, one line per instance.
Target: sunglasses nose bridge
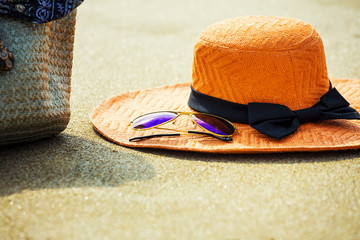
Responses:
[181,114]
[192,119]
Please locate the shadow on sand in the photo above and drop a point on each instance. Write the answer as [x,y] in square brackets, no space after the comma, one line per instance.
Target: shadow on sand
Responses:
[67,161]
[258,158]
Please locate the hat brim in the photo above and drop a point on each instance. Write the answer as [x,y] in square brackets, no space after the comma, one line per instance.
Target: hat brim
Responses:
[111,118]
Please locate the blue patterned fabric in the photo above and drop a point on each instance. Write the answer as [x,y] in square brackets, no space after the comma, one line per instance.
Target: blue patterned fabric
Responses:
[38,11]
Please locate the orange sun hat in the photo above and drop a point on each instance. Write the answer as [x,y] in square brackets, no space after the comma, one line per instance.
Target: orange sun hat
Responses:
[265,74]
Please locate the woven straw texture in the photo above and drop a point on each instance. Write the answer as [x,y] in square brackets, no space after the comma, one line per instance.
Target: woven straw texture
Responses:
[35,94]
[256,57]
[248,59]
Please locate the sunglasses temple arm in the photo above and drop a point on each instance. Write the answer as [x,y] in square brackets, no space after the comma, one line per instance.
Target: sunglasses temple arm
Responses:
[212,135]
[152,136]
[178,134]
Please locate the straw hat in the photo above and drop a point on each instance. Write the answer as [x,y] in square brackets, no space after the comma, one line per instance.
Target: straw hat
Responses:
[266,74]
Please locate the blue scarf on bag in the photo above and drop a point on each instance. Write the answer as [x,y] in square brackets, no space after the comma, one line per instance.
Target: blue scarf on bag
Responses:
[35,11]
[38,11]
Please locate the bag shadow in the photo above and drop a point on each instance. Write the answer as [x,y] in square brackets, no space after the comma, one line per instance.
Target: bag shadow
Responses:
[67,161]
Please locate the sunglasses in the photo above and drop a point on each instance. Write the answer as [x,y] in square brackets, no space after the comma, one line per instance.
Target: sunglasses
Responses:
[213,126]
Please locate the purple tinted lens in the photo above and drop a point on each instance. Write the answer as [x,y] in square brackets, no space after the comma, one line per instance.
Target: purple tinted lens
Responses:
[213,124]
[152,119]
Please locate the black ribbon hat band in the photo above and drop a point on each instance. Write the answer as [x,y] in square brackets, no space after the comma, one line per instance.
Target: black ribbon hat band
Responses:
[274,120]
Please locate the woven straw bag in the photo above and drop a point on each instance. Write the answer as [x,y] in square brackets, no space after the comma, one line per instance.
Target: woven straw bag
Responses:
[35,94]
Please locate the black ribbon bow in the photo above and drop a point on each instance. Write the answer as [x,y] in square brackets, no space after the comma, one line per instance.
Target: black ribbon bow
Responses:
[276,120]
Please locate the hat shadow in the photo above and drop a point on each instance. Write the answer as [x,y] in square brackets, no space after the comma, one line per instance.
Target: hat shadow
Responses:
[67,161]
[258,158]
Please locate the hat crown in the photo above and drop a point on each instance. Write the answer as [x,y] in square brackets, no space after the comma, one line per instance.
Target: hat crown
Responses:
[261,59]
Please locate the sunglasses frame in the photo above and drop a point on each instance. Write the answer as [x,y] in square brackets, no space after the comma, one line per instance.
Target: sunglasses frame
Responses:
[179,113]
